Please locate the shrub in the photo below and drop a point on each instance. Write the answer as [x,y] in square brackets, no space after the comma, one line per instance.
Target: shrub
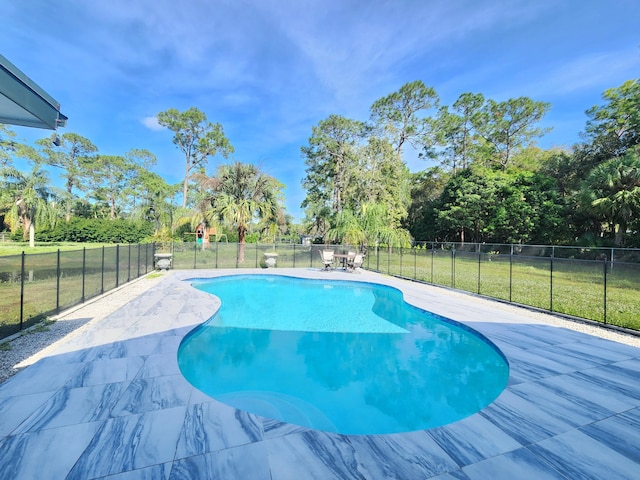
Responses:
[97,230]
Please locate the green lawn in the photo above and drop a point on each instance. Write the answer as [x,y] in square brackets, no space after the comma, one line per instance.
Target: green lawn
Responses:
[16,248]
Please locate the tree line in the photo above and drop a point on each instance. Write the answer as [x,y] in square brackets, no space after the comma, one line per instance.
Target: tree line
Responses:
[491,183]
[239,197]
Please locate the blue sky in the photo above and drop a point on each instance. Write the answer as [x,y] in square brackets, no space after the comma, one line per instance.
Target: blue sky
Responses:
[269,70]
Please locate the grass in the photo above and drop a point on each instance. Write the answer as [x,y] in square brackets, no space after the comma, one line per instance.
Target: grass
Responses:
[16,248]
[50,286]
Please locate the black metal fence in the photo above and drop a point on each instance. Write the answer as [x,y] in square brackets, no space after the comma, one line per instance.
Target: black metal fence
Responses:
[600,284]
[33,286]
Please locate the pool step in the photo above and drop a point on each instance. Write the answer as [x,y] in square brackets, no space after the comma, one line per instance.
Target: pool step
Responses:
[280,407]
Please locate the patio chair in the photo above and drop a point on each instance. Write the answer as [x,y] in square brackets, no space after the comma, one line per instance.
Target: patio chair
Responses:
[355,262]
[327,259]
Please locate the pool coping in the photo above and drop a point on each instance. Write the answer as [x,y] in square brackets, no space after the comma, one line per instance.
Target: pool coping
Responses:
[109,402]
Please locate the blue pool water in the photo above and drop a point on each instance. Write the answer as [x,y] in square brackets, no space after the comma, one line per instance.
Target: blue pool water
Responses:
[346,357]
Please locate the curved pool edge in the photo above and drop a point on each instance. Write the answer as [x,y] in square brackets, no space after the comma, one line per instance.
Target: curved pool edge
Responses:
[379,280]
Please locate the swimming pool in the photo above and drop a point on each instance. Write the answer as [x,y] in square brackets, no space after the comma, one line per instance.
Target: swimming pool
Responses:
[338,356]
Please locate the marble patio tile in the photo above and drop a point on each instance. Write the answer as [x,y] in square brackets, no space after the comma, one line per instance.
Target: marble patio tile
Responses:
[29,455]
[150,325]
[546,334]
[198,396]
[238,463]
[149,394]
[455,475]
[155,472]
[157,365]
[318,455]
[542,359]
[91,338]
[522,419]
[276,428]
[577,455]
[620,433]
[527,369]
[604,351]
[168,344]
[129,443]
[401,456]
[38,378]
[70,406]
[618,378]
[473,439]
[519,464]
[16,410]
[582,386]
[127,347]
[314,456]
[516,339]
[110,370]
[571,360]
[573,409]
[212,426]
[633,415]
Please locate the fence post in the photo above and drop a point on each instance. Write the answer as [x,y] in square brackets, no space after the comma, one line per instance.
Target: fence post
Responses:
[84,271]
[195,252]
[415,263]
[102,274]
[294,255]
[129,263]
[22,290]
[551,279]
[453,266]
[479,260]
[58,282]
[605,287]
[433,252]
[138,276]
[117,265]
[511,273]
[256,254]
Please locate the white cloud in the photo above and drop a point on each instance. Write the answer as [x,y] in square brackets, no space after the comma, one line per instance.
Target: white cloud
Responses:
[152,123]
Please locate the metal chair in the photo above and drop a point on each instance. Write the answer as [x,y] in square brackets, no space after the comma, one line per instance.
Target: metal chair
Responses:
[355,262]
[327,259]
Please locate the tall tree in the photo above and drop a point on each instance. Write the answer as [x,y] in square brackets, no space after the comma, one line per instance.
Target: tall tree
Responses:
[612,192]
[74,155]
[7,144]
[508,126]
[399,115]
[331,159]
[197,138]
[29,195]
[240,194]
[456,131]
[382,178]
[109,180]
[614,127]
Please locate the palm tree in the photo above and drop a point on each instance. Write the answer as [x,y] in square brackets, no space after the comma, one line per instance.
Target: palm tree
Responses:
[29,195]
[612,191]
[240,194]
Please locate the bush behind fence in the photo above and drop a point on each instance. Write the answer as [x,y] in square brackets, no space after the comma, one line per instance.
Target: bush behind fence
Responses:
[33,286]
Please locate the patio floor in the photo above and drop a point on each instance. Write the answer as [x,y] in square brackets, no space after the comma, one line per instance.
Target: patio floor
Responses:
[110,402]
